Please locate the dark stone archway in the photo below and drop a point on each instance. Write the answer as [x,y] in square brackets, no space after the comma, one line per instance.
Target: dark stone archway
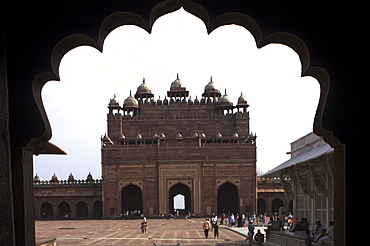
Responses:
[63,209]
[227,199]
[132,199]
[46,210]
[276,203]
[183,190]
[261,206]
[81,210]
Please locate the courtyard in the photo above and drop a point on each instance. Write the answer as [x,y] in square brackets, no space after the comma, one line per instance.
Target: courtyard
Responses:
[127,232]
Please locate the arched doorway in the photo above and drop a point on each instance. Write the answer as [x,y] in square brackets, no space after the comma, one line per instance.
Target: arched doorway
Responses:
[64,209]
[227,199]
[261,204]
[182,190]
[81,210]
[46,210]
[132,200]
[276,203]
[97,209]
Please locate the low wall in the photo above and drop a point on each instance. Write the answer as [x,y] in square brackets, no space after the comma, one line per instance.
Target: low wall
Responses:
[280,238]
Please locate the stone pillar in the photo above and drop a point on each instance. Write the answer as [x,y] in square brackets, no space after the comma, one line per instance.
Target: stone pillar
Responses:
[6,203]
[23,197]
[340,195]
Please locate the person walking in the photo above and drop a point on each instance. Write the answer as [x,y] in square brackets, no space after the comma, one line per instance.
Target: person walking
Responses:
[250,232]
[206,227]
[215,230]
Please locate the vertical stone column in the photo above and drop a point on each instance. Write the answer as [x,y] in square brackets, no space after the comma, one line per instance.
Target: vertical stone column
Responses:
[23,198]
[340,195]
[6,203]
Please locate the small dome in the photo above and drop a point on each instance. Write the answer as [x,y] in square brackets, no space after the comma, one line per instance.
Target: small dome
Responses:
[219,135]
[176,84]
[113,101]
[225,100]
[241,100]
[138,136]
[210,87]
[178,135]
[130,102]
[36,178]
[235,135]
[162,135]
[190,101]
[121,136]
[54,178]
[143,88]
[89,177]
[71,178]
[202,135]
[155,135]
[106,139]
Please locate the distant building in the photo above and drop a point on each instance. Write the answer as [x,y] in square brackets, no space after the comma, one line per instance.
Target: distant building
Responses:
[73,198]
[156,149]
[308,178]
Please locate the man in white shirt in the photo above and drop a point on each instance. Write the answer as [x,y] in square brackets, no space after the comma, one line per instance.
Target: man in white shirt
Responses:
[329,234]
[317,230]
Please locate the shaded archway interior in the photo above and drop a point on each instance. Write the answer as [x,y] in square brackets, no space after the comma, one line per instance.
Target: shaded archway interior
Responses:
[183,190]
[227,199]
[132,200]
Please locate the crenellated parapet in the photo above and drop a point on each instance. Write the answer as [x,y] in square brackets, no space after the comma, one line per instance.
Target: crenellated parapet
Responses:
[55,182]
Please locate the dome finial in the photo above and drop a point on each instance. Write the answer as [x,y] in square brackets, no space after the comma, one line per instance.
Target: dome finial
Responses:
[131,95]
[211,79]
[177,76]
[143,80]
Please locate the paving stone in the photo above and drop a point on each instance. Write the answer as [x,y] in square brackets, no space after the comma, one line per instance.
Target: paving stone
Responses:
[127,232]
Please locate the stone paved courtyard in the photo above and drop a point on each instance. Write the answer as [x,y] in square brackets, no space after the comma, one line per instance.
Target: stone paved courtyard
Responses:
[127,232]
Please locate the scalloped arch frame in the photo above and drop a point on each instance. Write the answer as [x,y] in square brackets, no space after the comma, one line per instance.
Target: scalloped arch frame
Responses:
[126,18]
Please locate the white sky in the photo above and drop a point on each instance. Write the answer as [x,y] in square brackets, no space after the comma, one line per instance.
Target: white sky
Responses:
[282,103]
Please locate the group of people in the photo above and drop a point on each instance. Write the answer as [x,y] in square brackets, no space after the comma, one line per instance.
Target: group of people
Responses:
[211,225]
[319,233]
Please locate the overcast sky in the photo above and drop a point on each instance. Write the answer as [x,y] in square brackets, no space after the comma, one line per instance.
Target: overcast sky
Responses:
[282,103]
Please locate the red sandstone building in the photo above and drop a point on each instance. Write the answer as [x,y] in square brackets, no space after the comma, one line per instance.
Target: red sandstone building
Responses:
[154,150]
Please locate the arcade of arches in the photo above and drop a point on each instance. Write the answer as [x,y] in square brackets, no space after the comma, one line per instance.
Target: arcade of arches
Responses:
[51,203]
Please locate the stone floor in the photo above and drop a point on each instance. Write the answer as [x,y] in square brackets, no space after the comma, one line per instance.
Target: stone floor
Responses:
[127,232]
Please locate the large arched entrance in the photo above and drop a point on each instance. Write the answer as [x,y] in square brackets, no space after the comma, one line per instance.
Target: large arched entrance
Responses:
[227,199]
[132,200]
[182,190]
